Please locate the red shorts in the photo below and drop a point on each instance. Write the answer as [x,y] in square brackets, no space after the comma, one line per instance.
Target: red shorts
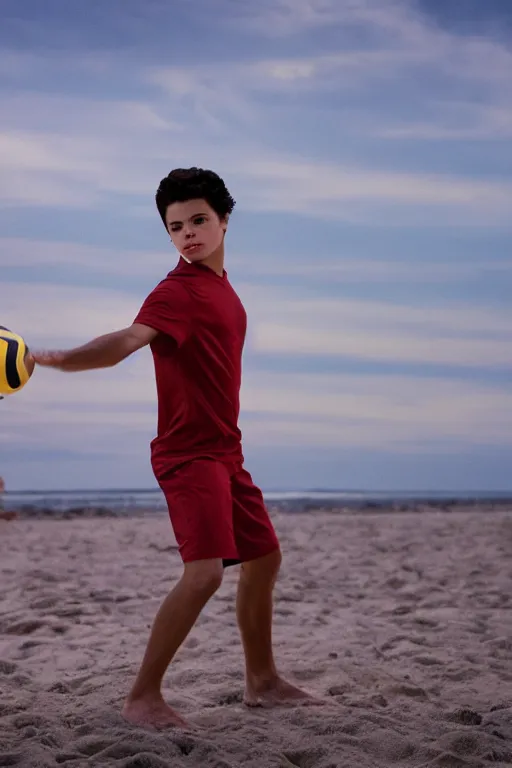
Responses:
[216,511]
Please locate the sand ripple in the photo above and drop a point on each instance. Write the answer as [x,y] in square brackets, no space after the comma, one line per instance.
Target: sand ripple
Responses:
[402,621]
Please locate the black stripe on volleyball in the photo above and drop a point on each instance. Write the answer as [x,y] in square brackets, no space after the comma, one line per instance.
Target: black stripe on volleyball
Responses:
[11,370]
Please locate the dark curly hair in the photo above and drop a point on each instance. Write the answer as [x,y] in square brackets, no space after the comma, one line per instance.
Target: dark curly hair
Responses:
[184,184]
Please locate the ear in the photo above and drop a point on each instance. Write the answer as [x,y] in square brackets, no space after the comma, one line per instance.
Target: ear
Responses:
[225,222]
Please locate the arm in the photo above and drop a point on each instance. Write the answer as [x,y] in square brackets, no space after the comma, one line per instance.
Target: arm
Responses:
[102,352]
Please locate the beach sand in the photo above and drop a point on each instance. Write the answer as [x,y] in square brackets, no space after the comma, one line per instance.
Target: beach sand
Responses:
[402,621]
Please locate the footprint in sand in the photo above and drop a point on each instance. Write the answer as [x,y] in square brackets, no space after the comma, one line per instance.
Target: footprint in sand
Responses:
[37,577]
[59,687]
[394,642]
[27,720]
[10,758]
[133,753]
[232,697]
[465,716]
[459,675]
[44,603]
[145,760]
[28,644]
[408,691]
[388,746]
[428,661]
[71,612]
[302,758]
[7,667]
[463,748]
[24,627]
[92,745]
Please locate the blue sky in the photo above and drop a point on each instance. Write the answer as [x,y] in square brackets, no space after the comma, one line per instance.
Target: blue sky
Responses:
[368,145]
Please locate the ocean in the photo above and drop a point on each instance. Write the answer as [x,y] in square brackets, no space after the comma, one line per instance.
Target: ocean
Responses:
[152,500]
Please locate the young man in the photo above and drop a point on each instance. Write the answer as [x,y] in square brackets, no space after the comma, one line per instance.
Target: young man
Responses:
[195,325]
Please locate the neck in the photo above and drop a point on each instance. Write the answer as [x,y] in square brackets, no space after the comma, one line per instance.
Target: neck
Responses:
[215,260]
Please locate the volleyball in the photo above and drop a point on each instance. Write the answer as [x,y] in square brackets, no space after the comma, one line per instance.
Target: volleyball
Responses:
[16,364]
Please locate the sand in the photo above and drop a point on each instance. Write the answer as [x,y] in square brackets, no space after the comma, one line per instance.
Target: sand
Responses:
[403,622]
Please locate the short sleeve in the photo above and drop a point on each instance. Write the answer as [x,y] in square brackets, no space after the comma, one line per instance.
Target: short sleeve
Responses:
[168,310]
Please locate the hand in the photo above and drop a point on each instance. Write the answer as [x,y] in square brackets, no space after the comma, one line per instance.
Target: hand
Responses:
[47,358]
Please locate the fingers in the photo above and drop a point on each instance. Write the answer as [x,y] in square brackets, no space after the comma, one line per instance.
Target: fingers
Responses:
[47,358]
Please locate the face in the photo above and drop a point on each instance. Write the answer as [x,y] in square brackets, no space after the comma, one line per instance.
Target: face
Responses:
[195,229]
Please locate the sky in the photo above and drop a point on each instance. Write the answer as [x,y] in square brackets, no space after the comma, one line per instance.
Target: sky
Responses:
[368,144]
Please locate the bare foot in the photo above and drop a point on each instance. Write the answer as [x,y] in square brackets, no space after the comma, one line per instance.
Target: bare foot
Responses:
[278,693]
[153,713]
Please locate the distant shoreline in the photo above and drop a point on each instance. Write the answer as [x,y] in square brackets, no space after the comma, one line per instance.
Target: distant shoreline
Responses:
[297,505]
[301,493]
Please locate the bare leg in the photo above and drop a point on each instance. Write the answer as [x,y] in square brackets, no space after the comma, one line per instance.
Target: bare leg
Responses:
[263,685]
[177,615]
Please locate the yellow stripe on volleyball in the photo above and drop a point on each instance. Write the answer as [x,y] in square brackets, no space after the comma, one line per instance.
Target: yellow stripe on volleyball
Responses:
[13,372]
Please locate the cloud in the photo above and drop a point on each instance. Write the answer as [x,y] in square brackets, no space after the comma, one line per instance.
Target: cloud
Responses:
[396,27]
[71,150]
[295,127]
[377,422]
[115,410]
[384,412]
[285,321]
[344,313]
[352,192]
[377,331]
[64,150]
[456,122]
[410,402]
[77,171]
[411,61]
[267,76]
[70,113]
[94,260]
[18,252]
[287,18]
[346,270]
[382,346]
[54,315]
[55,169]
[335,409]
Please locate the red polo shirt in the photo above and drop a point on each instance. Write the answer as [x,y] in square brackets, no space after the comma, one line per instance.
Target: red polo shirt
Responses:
[198,366]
